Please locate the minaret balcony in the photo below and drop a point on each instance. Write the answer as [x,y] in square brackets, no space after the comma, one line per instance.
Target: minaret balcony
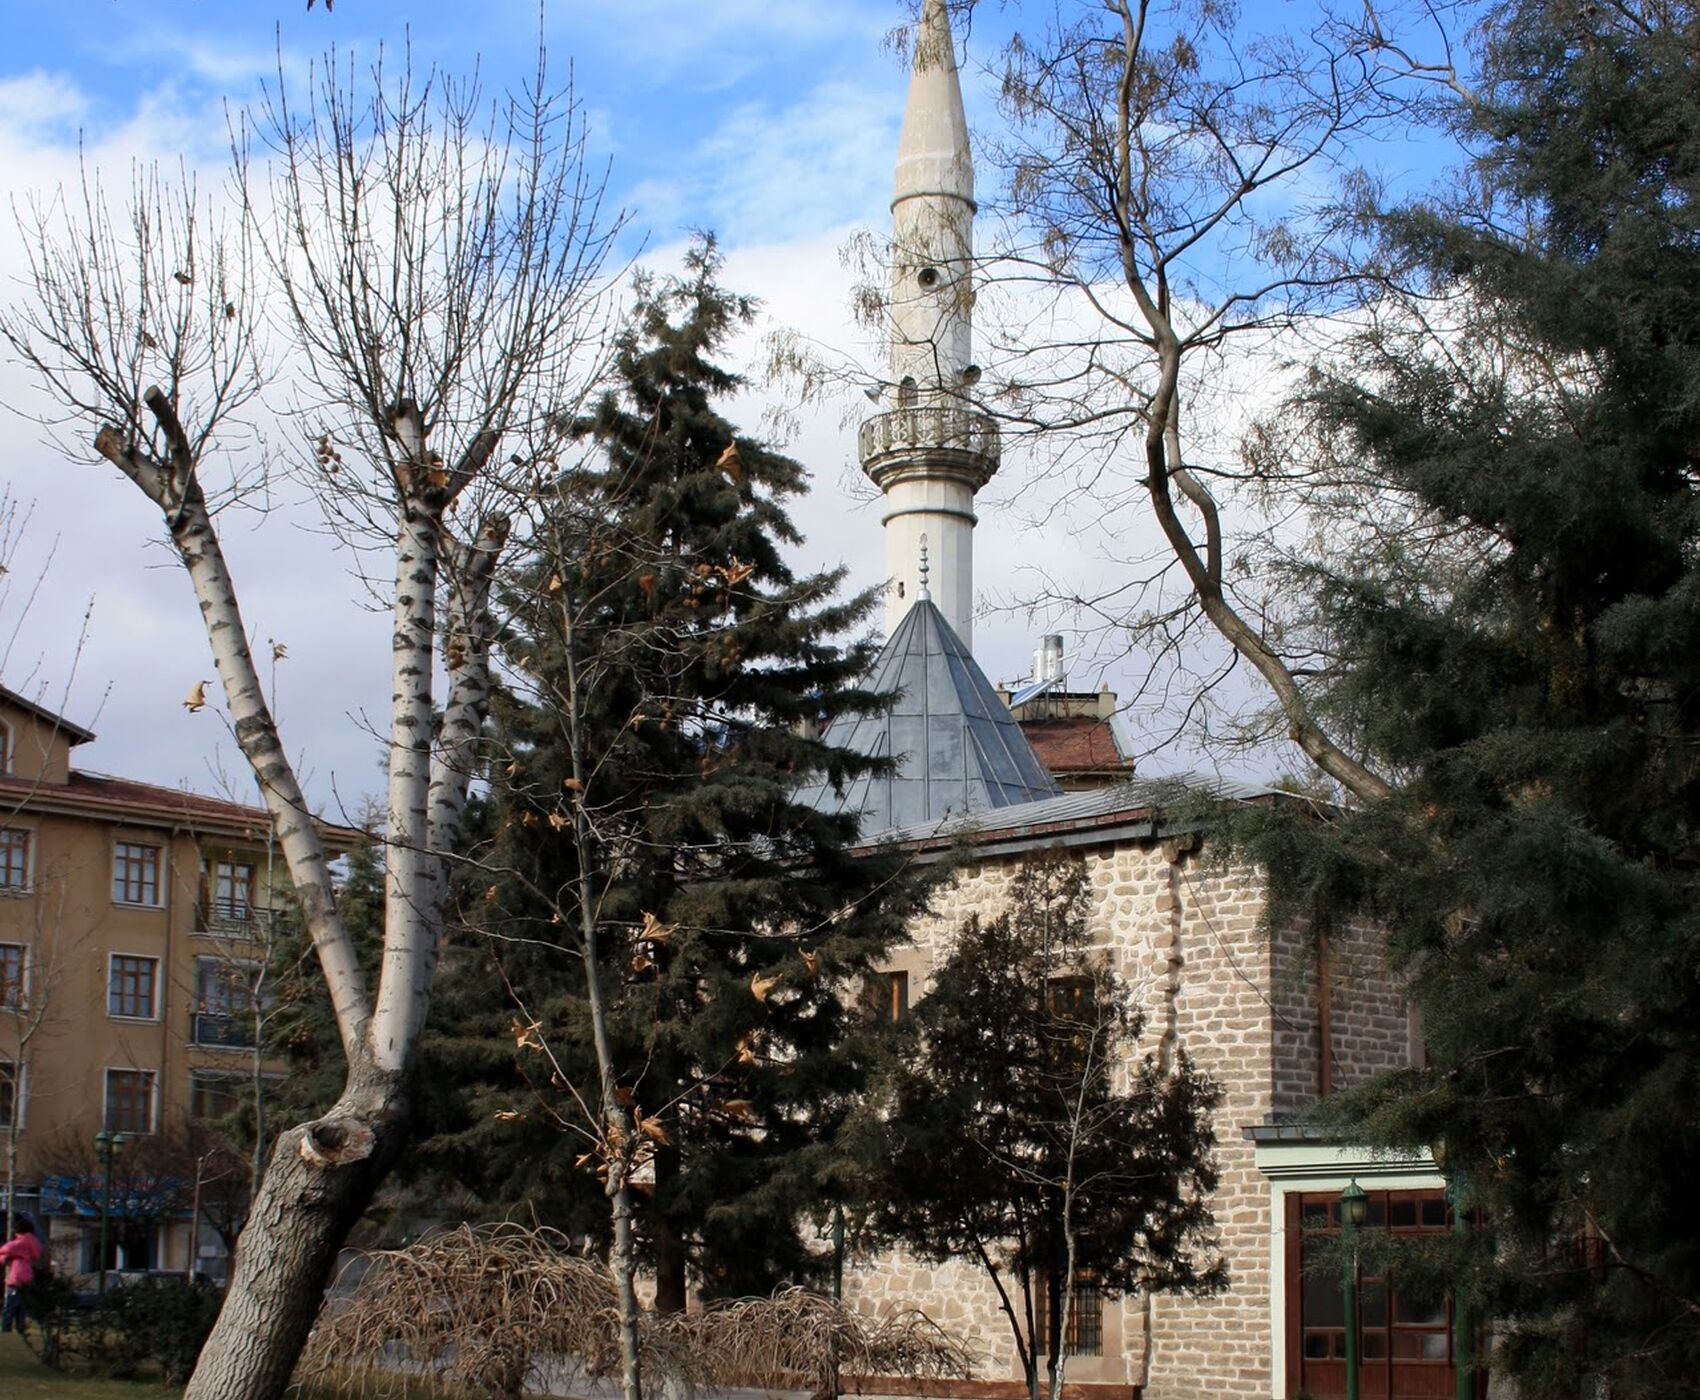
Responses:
[946,439]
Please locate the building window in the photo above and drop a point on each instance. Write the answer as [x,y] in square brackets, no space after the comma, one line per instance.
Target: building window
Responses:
[212,1095]
[12,968]
[1083,1328]
[129,1101]
[1071,998]
[11,1094]
[224,1003]
[1404,1331]
[885,996]
[233,890]
[131,986]
[135,874]
[14,858]
[5,747]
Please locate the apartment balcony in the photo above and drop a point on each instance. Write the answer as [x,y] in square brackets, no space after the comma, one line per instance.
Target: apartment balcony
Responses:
[238,923]
[946,439]
[221,1031]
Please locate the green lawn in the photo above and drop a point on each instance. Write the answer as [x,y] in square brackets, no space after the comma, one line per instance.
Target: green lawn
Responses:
[23,1377]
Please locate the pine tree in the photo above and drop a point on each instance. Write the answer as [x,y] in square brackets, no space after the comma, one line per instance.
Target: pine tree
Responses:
[1524,656]
[1021,1128]
[733,921]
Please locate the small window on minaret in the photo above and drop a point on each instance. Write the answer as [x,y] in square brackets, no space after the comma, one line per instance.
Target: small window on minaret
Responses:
[906,392]
[928,277]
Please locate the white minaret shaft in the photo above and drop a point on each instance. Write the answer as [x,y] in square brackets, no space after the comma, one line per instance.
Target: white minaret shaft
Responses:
[932,452]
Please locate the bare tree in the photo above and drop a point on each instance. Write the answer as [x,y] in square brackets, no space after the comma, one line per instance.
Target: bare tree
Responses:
[436,260]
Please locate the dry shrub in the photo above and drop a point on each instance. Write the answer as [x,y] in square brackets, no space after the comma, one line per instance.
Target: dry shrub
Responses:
[486,1307]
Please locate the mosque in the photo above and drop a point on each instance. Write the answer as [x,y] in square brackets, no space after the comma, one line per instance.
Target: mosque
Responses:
[1276,1019]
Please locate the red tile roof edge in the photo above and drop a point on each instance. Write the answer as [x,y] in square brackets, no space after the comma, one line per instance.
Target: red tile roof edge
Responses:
[102,792]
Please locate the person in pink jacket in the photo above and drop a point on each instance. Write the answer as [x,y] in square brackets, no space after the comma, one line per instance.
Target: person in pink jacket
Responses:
[20,1255]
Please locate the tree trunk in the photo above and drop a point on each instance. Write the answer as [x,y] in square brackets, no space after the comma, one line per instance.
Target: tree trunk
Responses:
[669,1247]
[321,1178]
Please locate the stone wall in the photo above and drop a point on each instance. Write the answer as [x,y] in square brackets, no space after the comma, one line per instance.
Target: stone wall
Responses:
[1187,935]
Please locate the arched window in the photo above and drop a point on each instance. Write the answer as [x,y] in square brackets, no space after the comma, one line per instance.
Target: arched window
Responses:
[906,392]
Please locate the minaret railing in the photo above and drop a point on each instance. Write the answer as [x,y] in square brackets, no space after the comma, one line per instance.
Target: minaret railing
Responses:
[929,428]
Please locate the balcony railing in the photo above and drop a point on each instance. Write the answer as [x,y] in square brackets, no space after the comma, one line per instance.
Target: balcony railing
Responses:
[222,1031]
[234,921]
[941,428]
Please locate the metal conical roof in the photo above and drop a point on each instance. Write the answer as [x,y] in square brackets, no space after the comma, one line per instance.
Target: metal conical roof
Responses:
[958,749]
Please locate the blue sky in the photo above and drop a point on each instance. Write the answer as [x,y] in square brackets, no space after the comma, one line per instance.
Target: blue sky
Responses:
[757,118]
[772,122]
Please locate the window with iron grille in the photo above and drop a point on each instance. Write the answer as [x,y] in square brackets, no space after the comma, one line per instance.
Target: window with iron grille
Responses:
[135,874]
[131,986]
[129,1101]
[14,858]
[11,1077]
[1083,1328]
[13,962]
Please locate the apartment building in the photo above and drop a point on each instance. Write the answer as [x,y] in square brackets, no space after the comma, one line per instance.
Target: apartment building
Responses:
[137,928]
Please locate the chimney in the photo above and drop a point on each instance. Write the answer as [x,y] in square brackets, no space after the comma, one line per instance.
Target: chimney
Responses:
[1048,659]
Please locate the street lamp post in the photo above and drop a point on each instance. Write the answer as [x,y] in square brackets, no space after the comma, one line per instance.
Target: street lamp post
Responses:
[1463,1325]
[1354,1206]
[107,1146]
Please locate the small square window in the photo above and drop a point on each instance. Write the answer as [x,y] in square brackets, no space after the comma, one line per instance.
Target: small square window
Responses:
[129,1101]
[1072,998]
[135,874]
[131,987]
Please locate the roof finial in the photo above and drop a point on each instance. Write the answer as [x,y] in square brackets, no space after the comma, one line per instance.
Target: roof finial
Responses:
[925,595]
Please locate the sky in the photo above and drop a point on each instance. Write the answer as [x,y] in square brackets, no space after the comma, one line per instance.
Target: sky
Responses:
[771,122]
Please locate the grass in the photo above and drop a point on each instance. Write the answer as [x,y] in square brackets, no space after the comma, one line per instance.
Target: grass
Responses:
[23,1377]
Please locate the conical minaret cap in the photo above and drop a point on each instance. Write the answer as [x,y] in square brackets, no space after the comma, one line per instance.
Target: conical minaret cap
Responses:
[932,152]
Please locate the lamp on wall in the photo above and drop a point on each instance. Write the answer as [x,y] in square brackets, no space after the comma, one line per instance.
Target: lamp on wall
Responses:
[1354,1209]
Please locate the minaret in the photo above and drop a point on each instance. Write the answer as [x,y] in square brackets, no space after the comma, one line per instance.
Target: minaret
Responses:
[932,452]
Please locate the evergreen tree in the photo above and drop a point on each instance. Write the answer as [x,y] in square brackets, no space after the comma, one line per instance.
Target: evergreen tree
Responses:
[1020,1128]
[673,673]
[1523,654]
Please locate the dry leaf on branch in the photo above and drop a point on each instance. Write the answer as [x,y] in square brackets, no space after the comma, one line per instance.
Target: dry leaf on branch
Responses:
[811,960]
[196,699]
[760,986]
[654,931]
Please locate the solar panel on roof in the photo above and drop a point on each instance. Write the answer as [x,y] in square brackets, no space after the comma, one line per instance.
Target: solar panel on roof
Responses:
[1030,690]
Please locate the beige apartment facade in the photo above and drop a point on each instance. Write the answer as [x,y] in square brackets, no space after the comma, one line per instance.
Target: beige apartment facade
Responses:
[137,926]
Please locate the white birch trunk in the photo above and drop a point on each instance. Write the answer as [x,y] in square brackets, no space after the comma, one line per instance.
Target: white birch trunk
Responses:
[322,1174]
[412,911]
